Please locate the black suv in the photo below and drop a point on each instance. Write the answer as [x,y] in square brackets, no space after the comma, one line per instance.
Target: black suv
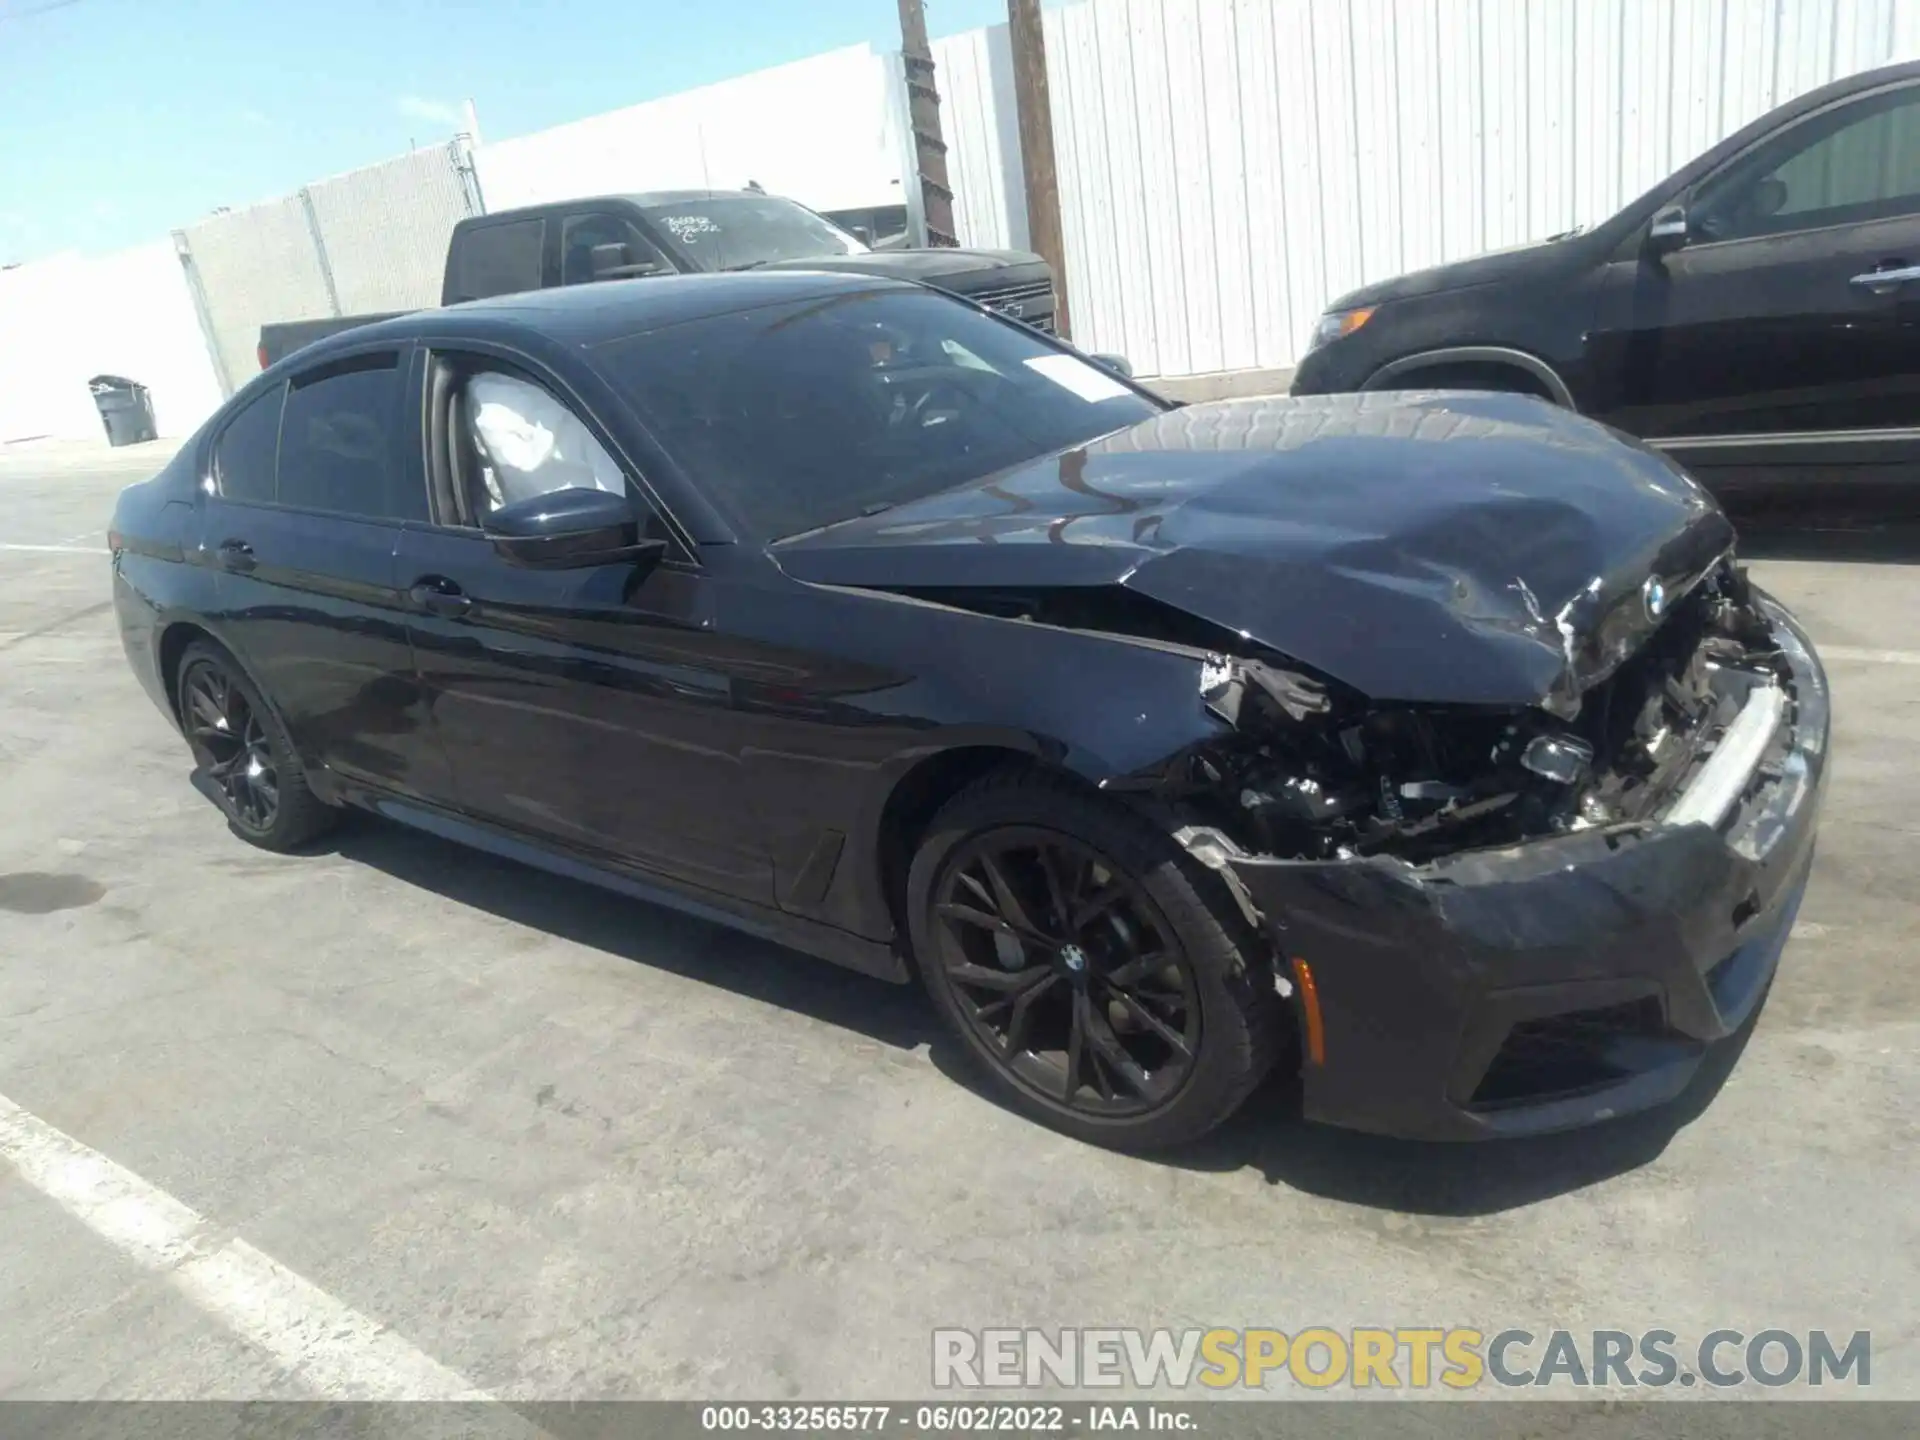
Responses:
[1757,314]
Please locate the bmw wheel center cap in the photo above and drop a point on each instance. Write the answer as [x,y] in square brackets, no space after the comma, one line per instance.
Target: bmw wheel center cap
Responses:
[1654,596]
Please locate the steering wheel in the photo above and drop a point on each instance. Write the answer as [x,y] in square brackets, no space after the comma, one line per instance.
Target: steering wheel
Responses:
[941,403]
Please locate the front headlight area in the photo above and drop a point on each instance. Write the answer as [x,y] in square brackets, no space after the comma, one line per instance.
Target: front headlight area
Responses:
[1337,323]
[1314,773]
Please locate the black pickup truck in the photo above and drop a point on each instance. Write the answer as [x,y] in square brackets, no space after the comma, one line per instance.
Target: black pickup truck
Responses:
[669,232]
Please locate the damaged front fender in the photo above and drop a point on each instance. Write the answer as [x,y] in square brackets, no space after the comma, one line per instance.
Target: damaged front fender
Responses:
[1546,984]
[1225,683]
[1454,549]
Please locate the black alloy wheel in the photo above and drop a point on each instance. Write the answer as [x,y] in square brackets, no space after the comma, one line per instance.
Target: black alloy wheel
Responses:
[248,764]
[230,743]
[1104,981]
[1067,969]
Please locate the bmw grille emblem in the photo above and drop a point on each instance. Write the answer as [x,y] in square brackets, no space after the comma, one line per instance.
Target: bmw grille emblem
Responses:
[1654,596]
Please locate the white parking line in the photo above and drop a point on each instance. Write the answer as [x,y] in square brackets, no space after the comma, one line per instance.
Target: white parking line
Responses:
[324,1345]
[1868,657]
[57,549]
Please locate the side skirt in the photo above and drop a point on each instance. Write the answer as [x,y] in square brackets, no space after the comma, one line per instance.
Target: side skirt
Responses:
[871,957]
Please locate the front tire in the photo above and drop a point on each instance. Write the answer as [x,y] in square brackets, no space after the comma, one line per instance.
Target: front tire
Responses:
[240,747]
[1102,980]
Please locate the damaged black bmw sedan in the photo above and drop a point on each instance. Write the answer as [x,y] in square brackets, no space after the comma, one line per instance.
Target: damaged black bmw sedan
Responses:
[1431,743]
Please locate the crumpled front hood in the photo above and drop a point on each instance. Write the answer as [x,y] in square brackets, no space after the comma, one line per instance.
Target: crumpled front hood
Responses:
[1439,548]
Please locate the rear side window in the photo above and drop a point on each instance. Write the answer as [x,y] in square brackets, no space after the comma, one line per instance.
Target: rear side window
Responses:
[1871,164]
[243,455]
[340,446]
[497,259]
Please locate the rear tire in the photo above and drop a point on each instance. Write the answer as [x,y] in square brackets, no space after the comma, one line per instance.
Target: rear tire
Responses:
[1164,1051]
[241,750]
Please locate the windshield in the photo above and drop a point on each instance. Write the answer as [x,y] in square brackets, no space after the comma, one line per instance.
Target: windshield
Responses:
[737,232]
[800,415]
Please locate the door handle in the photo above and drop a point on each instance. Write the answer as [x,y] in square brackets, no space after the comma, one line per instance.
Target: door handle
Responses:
[235,555]
[438,595]
[1882,282]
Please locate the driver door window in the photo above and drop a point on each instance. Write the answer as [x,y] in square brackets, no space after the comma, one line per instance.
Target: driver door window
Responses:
[1855,164]
[524,443]
[581,235]
[1768,322]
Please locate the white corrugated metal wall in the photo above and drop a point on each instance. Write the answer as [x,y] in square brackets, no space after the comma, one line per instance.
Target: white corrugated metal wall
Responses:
[1227,166]
[979,120]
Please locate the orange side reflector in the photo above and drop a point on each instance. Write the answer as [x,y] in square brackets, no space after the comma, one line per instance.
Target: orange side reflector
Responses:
[1349,322]
[1310,1003]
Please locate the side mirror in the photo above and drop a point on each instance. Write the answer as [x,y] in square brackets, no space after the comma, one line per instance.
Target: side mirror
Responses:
[1119,364]
[1668,232]
[571,530]
[862,234]
[616,262]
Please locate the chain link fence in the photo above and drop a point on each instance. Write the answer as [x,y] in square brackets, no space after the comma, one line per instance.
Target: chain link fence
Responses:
[383,231]
[369,240]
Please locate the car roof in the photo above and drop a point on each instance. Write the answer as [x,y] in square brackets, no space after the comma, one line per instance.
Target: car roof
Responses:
[585,315]
[680,197]
[576,203]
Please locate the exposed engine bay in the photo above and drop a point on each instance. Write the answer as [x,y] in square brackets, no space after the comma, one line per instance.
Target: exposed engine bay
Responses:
[1315,771]
[1310,774]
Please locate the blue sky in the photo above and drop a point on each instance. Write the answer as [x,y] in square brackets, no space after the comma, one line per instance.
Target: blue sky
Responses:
[121,119]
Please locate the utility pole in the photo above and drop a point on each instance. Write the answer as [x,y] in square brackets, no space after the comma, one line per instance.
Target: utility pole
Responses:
[1028,36]
[923,112]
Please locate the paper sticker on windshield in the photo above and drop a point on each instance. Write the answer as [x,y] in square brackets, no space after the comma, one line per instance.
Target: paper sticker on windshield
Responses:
[1089,382]
[686,227]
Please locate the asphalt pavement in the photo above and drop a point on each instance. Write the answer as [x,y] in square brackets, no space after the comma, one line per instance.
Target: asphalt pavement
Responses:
[395,1117]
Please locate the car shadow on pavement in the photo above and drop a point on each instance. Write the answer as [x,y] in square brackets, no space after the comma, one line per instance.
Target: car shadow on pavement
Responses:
[1880,543]
[1459,1178]
[1268,1134]
[647,934]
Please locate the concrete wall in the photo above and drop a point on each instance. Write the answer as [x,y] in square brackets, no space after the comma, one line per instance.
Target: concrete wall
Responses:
[824,130]
[67,319]
[369,240]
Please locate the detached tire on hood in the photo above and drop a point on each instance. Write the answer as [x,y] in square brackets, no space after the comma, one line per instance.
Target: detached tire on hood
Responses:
[1103,980]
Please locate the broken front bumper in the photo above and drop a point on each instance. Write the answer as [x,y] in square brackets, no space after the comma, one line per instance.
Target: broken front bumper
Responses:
[1558,982]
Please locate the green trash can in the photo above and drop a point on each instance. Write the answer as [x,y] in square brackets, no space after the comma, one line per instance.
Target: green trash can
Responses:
[126,409]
